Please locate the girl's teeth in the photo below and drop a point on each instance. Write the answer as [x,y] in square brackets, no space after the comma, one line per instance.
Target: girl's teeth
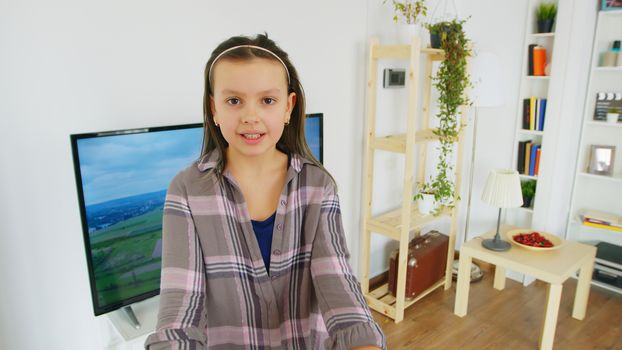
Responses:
[251,136]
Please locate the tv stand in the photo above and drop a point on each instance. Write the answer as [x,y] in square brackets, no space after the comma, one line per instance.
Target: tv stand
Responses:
[130,314]
[125,319]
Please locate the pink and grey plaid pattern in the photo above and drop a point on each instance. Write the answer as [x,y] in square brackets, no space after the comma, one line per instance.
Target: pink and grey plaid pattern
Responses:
[215,292]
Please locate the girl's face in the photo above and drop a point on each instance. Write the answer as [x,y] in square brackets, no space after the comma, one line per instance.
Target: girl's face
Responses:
[251,105]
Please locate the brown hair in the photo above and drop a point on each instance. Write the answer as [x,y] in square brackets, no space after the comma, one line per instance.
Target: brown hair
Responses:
[293,139]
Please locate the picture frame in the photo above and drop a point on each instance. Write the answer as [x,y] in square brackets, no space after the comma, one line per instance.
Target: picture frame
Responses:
[611,5]
[601,160]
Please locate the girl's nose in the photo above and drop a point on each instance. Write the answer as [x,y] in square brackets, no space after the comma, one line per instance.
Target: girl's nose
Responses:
[250,114]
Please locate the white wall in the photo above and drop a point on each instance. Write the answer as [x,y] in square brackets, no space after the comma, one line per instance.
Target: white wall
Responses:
[71,66]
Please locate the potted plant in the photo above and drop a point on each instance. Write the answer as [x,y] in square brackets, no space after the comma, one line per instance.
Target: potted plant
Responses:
[450,81]
[528,188]
[426,199]
[612,115]
[435,33]
[545,14]
[407,15]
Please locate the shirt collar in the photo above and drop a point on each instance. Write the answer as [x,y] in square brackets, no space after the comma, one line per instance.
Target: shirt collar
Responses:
[210,161]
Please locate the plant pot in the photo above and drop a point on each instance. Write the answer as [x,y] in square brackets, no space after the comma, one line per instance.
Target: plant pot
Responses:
[435,40]
[612,118]
[527,202]
[426,205]
[545,26]
[405,32]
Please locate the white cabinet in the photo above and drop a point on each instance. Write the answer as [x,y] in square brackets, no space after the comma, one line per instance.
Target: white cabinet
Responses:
[538,90]
[590,191]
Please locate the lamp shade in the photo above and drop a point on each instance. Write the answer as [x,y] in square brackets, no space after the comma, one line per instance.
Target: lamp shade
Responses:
[503,189]
[486,75]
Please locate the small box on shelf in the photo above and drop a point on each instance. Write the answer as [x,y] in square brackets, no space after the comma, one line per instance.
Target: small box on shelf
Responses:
[601,159]
[607,102]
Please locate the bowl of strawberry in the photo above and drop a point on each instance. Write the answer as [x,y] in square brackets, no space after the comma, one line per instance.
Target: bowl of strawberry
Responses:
[534,240]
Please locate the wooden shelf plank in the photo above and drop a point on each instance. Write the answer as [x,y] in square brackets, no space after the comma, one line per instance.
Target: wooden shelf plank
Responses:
[403,51]
[382,301]
[390,223]
[391,51]
[391,143]
[397,143]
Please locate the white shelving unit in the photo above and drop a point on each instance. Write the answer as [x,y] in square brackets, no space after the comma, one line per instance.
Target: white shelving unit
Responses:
[539,87]
[590,191]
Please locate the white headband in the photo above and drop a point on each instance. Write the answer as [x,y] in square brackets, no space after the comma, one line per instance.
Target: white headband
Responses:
[249,46]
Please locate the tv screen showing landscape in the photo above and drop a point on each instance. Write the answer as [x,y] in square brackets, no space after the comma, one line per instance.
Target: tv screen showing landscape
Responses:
[122,179]
[314,134]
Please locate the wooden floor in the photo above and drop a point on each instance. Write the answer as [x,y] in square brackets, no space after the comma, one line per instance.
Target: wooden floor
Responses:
[508,319]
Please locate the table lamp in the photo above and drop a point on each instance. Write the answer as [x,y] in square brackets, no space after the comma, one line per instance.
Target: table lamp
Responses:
[502,190]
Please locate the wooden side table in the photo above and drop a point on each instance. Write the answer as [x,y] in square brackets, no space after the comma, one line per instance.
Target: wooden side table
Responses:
[553,267]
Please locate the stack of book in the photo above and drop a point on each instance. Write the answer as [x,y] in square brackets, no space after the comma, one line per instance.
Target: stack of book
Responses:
[533,113]
[598,219]
[528,162]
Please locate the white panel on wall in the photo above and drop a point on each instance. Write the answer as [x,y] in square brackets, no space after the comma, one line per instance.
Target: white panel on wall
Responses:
[73,66]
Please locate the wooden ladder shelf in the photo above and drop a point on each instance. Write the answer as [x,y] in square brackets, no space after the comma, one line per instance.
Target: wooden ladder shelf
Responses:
[399,223]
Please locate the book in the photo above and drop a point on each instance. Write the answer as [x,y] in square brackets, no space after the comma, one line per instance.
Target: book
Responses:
[537,161]
[530,59]
[532,113]
[601,217]
[542,112]
[606,227]
[520,166]
[532,159]
[526,113]
[527,157]
[539,60]
[537,115]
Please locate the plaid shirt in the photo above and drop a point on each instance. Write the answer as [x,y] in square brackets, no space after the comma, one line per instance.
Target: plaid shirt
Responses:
[215,292]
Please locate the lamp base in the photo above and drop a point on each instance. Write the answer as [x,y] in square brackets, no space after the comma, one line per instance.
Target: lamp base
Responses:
[496,244]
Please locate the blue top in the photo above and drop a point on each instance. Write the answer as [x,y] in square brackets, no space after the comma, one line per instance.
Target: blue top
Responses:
[263,232]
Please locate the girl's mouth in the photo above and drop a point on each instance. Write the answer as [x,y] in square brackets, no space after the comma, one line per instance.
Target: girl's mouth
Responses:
[252,137]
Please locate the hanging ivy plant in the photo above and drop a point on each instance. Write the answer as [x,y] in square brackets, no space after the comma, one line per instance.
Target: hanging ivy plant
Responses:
[451,80]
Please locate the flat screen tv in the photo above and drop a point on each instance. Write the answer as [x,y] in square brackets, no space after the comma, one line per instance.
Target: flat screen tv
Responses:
[314,127]
[121,178]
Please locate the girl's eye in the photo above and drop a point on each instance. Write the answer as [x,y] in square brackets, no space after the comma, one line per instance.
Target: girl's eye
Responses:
[233,101]
[269,100]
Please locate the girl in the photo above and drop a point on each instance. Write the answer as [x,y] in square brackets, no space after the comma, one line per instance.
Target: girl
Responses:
[254,255]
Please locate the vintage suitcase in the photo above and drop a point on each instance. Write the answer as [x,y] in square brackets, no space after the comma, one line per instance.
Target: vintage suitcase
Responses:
[427,259]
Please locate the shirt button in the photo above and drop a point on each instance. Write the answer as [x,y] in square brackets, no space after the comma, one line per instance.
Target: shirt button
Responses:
[279,227]
[276,252]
